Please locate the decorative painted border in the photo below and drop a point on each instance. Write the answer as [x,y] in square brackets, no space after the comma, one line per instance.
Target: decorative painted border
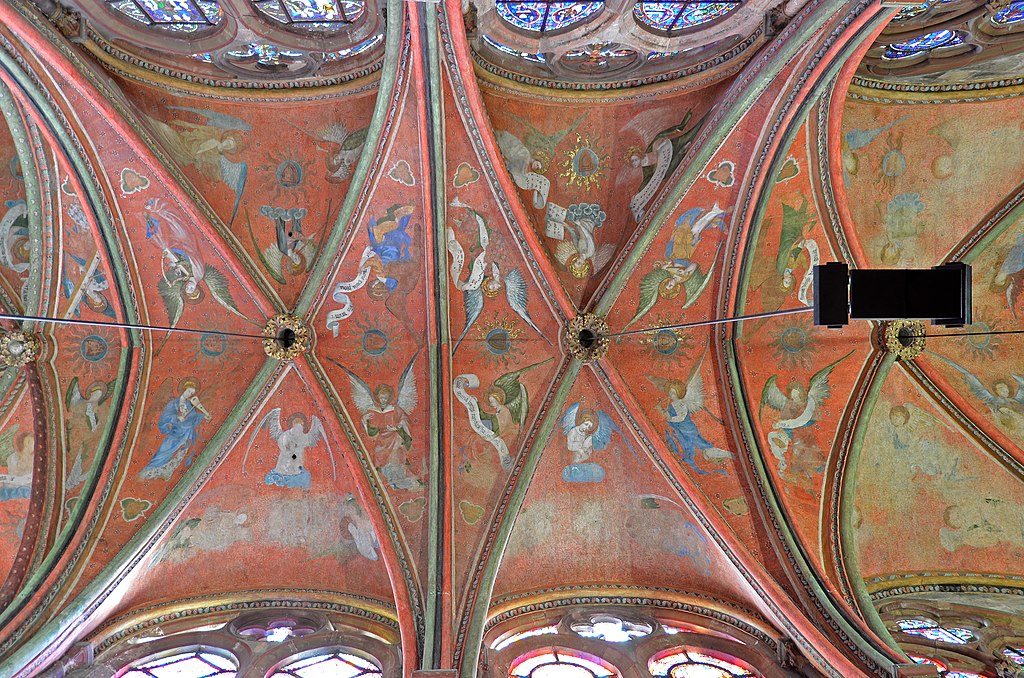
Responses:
[549,83]
[277,602]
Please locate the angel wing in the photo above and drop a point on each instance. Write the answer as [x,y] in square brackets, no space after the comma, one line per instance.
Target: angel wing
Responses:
[564,250]
[218,120]
[603,255]
[517,294]
[694,398]
[603,435]
[794,222]
[335,133]
[73,396]
[219,290]
[569,418]
[270,421]
[362,395]
[234,175]
[407,388]
[7,443]
[819,388]
[1019,380]
[473,302]
[537,140]
[990,399]
[173,303]
[772,396]
[698,282]
[316,433]
[648,293]
[516,396]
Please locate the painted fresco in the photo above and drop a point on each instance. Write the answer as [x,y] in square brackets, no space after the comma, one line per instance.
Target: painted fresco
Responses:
[279,186]
[791,369]
[282,506]
[505,353]
[372,322]
[596,489]
[588,170]
[15,238]
[927,498]
[17,448]
[912,174]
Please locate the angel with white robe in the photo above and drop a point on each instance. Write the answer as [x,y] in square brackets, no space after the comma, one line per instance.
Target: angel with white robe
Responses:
[797,407]
[587,431]
[89,401]
[386,420]
[1005,401]
[682,436]
[292,443]
[16,459]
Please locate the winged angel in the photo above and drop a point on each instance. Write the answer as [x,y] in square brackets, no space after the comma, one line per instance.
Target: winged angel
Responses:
[292,444]
[797,407]
[682,436]
[1005,401]
[587,431]
[478,285]
[386,420]
[342,148]
[16,459]
[508,402]
[182,266]
[93,397]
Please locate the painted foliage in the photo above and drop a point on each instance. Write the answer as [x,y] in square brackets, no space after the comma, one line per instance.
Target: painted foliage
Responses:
[276,181]
[912,173]
[282,505]
[588,170]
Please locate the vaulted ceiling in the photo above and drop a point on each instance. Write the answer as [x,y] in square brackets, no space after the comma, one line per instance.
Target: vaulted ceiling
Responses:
[437,213]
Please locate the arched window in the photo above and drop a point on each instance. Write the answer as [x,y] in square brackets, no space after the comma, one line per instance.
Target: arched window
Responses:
[334,664]
[932,631]
[611,629]
[1014,654]
[536,58]
[185,664]
[916,10]
[1010,14]
[683,663]
[943,669]
[923,43]
[502,643]
[312,15]
[677,16]
[558,663]
[547,17]
[181,16]
[364,46]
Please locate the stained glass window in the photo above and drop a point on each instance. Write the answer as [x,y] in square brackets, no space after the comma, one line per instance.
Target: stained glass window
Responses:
[537,58]
[1010,14]
[181,16]
[674,16]
[265,54]
[332,665]
[522,635]
[611,629]
[1015,654]
[923,43]
[364,46]
[943,669]
[188,664]
[558,664]
[680,663]
[314,15]
[932,631]
[539,17]
[917,10]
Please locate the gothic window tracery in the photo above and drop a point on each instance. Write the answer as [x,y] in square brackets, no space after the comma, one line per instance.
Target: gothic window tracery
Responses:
[923,43]
[685,663]
[678,16]
[943,669]
[185,664]
[179,16]
[1013,13]
[337,664]
[559,663]
[932,631]
[1014,654]
[321,16]
[547,17]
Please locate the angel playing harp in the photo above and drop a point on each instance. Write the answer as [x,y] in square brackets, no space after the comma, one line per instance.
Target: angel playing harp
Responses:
[682,436]
[386,420]
[292,444]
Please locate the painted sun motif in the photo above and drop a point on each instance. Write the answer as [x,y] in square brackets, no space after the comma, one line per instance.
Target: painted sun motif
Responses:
[377,342]
[584,164]
[793,344]
[982,345]
[284,177]
[497,340]
[92,351]
[663,345]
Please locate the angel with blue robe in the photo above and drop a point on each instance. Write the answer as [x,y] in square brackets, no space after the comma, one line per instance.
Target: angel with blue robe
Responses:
[178,423]
[682,435]
[587,431]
